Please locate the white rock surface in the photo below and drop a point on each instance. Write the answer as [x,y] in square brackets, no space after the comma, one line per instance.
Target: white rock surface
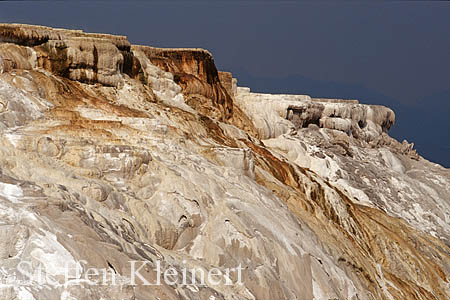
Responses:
[416,191]
[321,204]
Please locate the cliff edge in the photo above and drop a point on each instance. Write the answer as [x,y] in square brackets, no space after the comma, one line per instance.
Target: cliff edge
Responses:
[112,152]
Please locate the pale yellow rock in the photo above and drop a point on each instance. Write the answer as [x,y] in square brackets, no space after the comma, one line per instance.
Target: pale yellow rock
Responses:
[109,163]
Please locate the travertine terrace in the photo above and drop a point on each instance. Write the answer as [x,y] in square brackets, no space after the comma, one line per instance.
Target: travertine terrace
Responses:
[111,152]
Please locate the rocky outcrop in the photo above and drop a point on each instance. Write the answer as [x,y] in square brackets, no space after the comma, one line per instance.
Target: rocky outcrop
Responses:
[226,79]
[90,58]
[310,196]
[34,35]
[194,70]
[102,58]
[16,57]
[345,142]
[274,115]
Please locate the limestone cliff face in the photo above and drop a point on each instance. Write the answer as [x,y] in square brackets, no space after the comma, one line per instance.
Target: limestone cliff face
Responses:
[111,153]
[275,115]
[194,70]
[228,82]
[105,59]
[89,58]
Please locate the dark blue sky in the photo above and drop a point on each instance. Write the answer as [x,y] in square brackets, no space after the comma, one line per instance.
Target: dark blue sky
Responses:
[391,53]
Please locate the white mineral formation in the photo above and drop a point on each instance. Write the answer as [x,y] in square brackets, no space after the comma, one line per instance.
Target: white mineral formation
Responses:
[111,153]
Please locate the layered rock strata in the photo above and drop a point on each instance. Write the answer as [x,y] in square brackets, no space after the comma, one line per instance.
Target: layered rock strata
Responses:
[143,154]
[274,115]
[194,70]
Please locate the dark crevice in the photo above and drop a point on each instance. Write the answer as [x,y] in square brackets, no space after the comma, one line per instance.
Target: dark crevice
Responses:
[95,68]
[112,267]
[362,124]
